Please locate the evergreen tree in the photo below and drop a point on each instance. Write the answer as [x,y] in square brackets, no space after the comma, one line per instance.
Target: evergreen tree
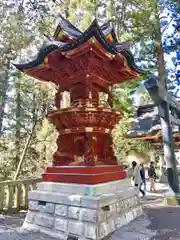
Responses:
[23,100]
[171,43]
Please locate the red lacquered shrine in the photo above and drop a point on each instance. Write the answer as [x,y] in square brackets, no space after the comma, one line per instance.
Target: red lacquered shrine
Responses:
[84,64]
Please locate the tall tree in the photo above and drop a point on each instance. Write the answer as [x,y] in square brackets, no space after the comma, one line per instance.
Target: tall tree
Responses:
[21,97]
[12,39]
[171,43]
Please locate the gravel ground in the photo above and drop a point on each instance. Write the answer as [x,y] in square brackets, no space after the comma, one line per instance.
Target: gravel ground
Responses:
[165,220]
[10,229]
[158,223]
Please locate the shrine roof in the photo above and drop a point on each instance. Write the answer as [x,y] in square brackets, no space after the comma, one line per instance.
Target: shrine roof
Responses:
[146,124]
[67,39]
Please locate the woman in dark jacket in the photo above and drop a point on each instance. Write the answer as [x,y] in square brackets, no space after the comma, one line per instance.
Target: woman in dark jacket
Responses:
[143,177]
[152,176]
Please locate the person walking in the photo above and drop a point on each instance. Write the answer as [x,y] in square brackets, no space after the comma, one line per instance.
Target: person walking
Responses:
[152,176]
[137,177]
[126,169]
[143,176]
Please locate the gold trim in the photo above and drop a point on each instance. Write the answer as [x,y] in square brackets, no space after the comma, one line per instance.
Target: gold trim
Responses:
[83,130]
[92,40]
[107,110]
[46,61]
[78,158]
[119,113]
[90,109]
[88,129]
[67,130]
[42,65]
[107,130]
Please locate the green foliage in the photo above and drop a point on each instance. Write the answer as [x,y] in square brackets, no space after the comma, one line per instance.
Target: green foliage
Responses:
[124,146]
[24,101]
[122,100]
[145,99]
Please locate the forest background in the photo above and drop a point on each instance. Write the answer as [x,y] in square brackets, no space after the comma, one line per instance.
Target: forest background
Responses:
[25,134]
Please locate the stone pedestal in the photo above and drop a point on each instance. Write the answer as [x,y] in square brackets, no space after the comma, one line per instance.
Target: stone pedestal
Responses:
[81,211]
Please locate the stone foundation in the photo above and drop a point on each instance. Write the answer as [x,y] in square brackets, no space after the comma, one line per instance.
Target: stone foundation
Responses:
[82,211]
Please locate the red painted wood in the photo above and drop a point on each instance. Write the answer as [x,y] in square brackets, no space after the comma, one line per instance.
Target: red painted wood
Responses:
[84,72]
[84,179]
[61,69]
[84,170]
[84,118]
[84,128]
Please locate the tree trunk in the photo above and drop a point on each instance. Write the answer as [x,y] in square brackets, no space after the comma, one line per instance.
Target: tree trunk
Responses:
[43,153]
[24,152]
[3,96]
[164,107]
[18,124]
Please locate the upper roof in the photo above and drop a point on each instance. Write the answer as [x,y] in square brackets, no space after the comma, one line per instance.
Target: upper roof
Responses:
[146,123]
[69,41]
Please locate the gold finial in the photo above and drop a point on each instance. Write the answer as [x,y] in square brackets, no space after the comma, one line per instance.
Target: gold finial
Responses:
[46,61]
[90,95]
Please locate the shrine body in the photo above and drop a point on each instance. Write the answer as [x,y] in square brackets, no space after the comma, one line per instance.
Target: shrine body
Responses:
[83,65]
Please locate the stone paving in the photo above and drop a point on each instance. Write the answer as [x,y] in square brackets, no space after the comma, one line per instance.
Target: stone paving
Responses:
[158,222]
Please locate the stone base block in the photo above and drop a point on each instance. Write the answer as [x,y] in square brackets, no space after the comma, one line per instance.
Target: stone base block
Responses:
[70,210]
[85,189]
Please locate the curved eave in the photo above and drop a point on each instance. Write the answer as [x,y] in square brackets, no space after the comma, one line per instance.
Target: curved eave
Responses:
[47,48]
[68,28]
[93,31]
[150,137]
[130,59]
[144,137]
[107,29]
[73,32]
